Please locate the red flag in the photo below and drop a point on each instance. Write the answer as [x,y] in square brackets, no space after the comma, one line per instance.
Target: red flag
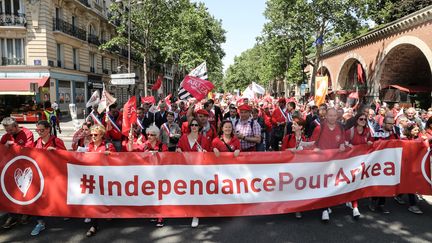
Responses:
[360,73]
[167,99]
[129,115]
[198,88]
[148,99]
[158,83]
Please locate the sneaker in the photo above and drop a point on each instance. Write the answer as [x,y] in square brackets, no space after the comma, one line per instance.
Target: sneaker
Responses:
[160,222]
[325,216]
[415,209]
[356,213]
[66,219]
[349,204]
[92,231]
[195,222]
[383,209]
[420,197]
[298,215]
[87,220]
[37,229]
[10,221]
[399,200]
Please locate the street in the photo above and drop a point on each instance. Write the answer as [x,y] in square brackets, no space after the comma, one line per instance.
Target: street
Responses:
[399,226]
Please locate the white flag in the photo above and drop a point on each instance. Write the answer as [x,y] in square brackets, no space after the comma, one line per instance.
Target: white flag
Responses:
[105,101]
[94,99]
[200,71]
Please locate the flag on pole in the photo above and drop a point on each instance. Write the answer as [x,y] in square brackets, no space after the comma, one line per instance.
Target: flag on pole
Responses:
[195,87]
[321,89]
[168,100]
[94,99]
[129,115]
[199,72]
[148,99]
[105,101]
[158,83]
[360,73]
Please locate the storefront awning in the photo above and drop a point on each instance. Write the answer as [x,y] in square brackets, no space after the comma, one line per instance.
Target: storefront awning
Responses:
[9,86]
[411,89]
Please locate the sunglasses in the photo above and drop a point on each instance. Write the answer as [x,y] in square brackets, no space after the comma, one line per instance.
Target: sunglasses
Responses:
[194,125]
[94,135]
[151,135]
[40,130]
[362,119]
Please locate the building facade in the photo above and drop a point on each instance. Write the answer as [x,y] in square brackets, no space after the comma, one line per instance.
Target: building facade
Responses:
[49,50]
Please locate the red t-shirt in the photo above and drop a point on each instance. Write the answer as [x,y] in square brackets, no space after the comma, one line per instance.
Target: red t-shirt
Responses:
[290,141]
[53,141]
[328,139]
[147,147]
[23,138]
[102,147]
[184,145]
[135,145]
[233,143]
[357,138]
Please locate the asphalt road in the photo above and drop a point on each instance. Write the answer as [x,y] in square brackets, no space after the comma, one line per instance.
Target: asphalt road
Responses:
[399,226]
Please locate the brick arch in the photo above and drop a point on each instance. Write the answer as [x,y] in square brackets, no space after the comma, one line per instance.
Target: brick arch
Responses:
[330,73]
[404,40]
[344,68]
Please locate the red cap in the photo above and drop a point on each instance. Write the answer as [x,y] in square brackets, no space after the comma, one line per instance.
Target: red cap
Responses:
[245,107]
[202,112]
[282,100]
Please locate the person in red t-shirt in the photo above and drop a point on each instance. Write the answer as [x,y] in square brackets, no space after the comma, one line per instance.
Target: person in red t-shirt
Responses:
[82,138]
[330,135]
[48,142]
[152,144]
[16,135]
[193,141]
[226,142]
[358,134]
[98,145]
[294,140]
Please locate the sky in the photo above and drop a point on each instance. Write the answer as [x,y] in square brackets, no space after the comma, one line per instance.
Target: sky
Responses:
[242,19]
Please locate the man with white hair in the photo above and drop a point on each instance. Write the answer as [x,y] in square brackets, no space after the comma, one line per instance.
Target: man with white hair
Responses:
[411,114]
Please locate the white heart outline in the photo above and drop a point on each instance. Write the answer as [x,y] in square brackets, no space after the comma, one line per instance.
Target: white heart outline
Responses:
[23,179]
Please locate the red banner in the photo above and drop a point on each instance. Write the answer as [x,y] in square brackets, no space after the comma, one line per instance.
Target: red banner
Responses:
[148,99]
[170,184]
[198,88]
[129,115]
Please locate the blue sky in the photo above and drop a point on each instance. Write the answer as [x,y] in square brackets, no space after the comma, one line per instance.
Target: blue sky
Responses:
[242,19]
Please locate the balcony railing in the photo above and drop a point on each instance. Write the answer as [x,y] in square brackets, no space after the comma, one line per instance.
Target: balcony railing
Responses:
[85,3]
[12,19]
[93,39]
[12,61]
[105,71]
[67,28]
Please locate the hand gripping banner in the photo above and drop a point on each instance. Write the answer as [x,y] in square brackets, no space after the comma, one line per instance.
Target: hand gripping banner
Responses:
[149,185]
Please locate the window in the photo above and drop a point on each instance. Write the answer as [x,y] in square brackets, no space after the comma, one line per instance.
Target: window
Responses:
[12,51]
[92,62]
[75,59]
[74,23]
[59,55]
[58,13]
[11,7]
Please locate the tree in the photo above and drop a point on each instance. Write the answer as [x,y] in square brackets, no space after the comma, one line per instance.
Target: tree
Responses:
[176,32]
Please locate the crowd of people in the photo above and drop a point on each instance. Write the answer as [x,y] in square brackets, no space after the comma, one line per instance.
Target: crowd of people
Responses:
[234,126]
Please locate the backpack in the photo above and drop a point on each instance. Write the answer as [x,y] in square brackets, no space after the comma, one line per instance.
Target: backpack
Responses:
[51,117]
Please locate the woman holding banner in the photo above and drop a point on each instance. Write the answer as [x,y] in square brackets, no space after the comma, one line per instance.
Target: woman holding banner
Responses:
[193,141]
[151,145]
[98,145]
[135,138]
[48,142]
[356,135]
[226,142]
[82,138]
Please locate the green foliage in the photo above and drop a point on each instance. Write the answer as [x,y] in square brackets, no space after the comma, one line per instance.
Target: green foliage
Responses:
[171,31]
